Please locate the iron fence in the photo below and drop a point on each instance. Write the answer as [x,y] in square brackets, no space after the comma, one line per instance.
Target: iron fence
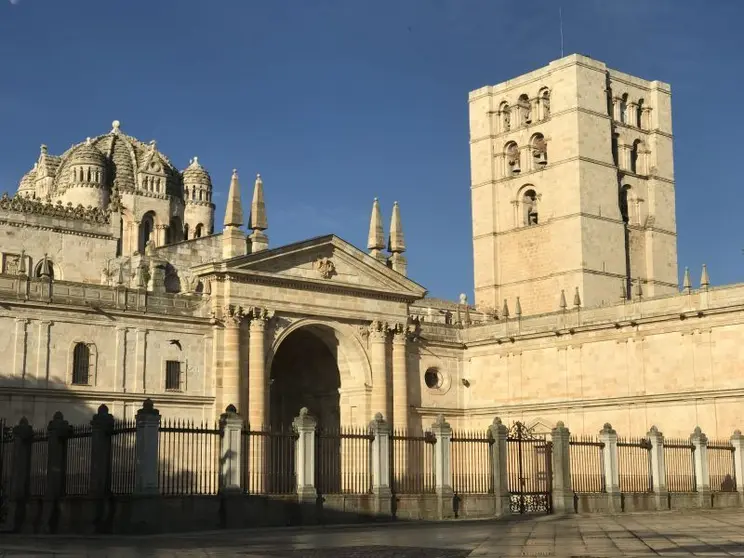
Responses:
[123,456]
[412,462]
[269,461]
[587,464]
[343,461]
[39,458]
[472,468]
[188,458]
[721,466]
[77,471]
[634,464]
[6,464]
[679,465]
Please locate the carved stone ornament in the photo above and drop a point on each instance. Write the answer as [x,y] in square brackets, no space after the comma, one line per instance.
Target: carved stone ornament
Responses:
[11,264]
[233,313]
[22,204]
[378,329]
[325,267]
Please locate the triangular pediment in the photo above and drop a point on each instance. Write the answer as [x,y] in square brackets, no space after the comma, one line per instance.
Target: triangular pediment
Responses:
[326,261]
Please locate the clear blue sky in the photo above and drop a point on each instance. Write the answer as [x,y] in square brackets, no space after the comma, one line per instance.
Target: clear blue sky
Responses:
[336,102]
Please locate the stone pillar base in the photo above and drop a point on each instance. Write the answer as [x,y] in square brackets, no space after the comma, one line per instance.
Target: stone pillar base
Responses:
[705,499]
[614,502]
[445,503]
[563,501]
[503,505]
[310,507]
[383,503]
[15,516]
[661,500]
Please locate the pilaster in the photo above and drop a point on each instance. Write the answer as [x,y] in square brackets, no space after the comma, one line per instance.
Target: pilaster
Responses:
[42,361]
[258,408]
[658,469]
[563,494]
[380,391]
[443,466]
[19,352]
[380,431]
[737,441]
[400,378]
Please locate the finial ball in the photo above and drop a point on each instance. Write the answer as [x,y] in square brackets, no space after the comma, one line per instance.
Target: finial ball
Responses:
[116,124]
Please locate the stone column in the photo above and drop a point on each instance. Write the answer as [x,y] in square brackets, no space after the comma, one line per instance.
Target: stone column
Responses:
[563,494]
[304,425]
[380,431]
[443,466]
[400,379]
[380,392]
[102,426]
[20,480]
[231,392]
[231,460]
[608,437]
[258,415]
[658,469]
[148,440]
[498,432]
[699,443]
[737,440]
[58,432]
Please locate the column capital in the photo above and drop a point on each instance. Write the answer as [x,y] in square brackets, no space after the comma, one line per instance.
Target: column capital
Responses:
[400,333]
[233,315]
[259,317]
[378,330]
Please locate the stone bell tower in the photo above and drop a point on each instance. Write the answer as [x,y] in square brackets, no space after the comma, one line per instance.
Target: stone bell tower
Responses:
[572,187]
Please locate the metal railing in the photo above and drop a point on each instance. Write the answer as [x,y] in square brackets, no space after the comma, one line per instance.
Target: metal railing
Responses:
[412,462]
[679,464]
[587,464]
[343,461]
[39,457]
[6,463]
[472,468]
[188,458]
[634,464]
[123,456]
[269,461]
[721,466]
[77,473]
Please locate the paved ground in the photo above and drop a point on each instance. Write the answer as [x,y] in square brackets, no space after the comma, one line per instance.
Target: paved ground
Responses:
[654,534]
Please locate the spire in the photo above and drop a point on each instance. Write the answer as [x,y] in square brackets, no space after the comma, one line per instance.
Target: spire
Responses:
[518,309]
[623,289]
[257,220]
[396,243]
[577,298]
[639,288]
[505,310]
[563,303]
[704,279]
[234,209]
[686,283]
[376,238]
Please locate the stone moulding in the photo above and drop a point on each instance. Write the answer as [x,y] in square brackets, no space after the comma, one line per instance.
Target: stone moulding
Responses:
[21,204]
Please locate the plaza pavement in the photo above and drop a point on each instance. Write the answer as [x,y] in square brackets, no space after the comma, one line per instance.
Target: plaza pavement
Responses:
[694,533]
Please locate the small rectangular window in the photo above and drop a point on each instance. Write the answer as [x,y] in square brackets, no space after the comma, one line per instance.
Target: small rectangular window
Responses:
[172,375]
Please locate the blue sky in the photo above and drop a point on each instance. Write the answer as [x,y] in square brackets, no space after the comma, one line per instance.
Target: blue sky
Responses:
[335,102]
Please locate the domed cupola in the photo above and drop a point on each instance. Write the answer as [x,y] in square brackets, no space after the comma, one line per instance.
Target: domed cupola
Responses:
[27,186]
[83,177]
[197,193]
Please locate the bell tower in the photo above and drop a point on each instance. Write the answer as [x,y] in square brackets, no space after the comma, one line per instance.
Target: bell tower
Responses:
[572,187]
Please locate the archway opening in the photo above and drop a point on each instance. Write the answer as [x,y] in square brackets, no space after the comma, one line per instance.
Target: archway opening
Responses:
[305,373]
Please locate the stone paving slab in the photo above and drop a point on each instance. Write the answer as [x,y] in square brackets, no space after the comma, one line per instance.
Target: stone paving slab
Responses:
[700,533]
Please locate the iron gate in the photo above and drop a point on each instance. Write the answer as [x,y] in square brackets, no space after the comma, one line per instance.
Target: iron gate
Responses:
[530,474]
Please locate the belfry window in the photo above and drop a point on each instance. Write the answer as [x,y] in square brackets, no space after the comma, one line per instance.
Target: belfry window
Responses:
[81,364]
[529,206]
[512,159]
[539,150]
[505,117]
[623,108]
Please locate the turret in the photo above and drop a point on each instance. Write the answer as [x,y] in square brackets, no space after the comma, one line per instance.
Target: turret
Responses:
[376,237]
[197,195]
[83,178]
[396,243]
[258,221]
[233,238]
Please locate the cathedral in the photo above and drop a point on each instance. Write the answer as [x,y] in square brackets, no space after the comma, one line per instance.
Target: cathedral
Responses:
[116,285]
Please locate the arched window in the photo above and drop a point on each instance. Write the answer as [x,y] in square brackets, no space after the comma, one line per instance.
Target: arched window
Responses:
[505,115]
[623,107]
[525,109]
[539,150]
[45,268]
[639,114]
[147,226]
[544,99]
[529,206]
[81,364]
[186,231]
[198,230]
[511,152]
[634,152]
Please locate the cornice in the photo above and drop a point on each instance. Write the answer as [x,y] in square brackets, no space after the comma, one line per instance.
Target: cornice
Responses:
[70,392]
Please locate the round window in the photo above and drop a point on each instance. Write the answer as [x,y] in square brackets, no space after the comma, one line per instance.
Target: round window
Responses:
[432,378]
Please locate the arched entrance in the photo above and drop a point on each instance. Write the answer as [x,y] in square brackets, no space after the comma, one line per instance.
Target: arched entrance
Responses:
[305,373]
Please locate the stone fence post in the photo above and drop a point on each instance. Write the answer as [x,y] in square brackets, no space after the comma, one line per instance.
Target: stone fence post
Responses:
[498,432]
[443,466]
[102,426]
[58,432]
[658,469]
[608,437]
[20,481]
[380,430]
[737,440]
[231,460]
[148,440]
[563,495]
[304,425]
[699,443]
